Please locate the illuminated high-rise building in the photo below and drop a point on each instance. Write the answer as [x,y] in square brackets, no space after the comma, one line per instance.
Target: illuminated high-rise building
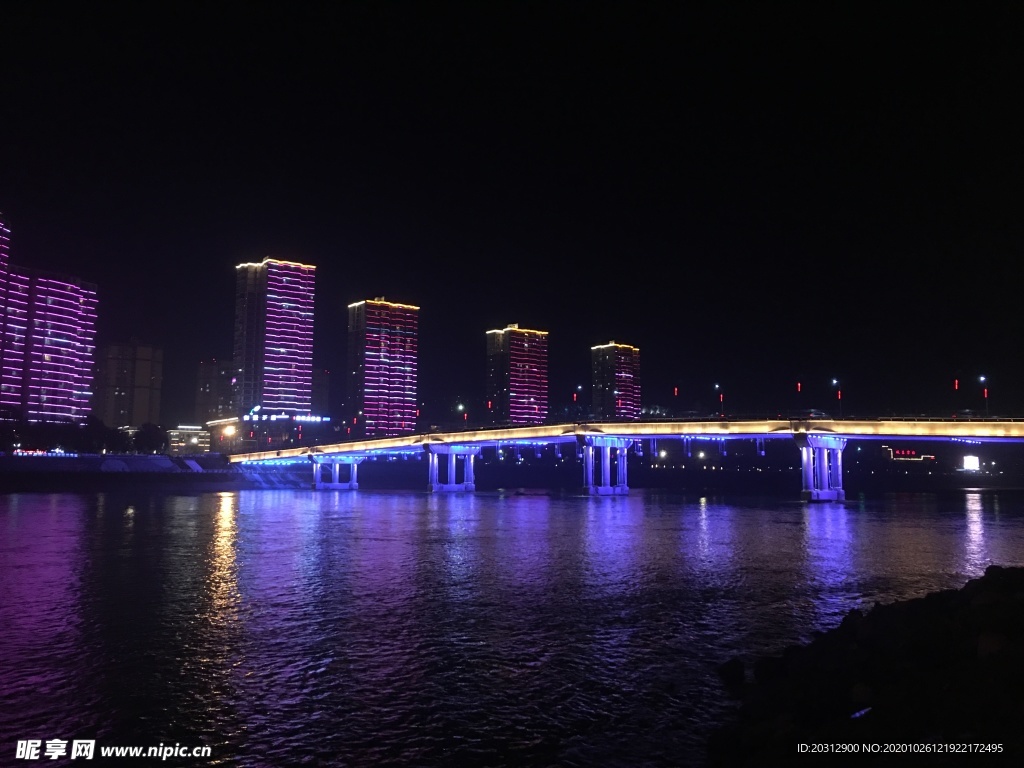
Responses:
[517,376]
[8,407]
[274,336]
[5,239]
[615,379]
[49,346]
[383,347]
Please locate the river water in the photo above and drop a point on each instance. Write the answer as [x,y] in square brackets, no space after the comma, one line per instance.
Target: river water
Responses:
[409,629]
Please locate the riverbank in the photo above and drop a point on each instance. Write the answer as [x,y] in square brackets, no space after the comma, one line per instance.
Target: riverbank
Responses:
[100,472]
[946,669]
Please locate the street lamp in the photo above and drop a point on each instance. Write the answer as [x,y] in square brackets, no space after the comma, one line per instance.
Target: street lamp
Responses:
[984,393]
[721,401]
[839,395]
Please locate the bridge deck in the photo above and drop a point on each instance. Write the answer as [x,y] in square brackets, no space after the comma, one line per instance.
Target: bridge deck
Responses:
[868,429]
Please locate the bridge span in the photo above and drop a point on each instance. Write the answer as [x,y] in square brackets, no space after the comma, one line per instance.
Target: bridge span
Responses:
[604,446]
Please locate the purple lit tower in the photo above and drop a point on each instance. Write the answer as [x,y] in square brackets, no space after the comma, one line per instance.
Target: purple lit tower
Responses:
[47,342]
[382,370]
[49,346]
[615,377]
[274,335]
[517,376]
[5,406]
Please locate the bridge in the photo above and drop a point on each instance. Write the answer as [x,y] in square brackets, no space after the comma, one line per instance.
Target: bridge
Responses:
[605,447]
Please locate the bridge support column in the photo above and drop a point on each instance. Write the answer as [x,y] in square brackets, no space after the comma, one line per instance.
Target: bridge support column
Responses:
[466,452]
[336,483]
[432,471]
[821,467]
[606,444]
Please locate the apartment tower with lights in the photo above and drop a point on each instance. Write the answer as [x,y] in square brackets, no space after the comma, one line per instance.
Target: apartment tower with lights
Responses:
[273,345]
[382,374]
[517,376]
[615,381]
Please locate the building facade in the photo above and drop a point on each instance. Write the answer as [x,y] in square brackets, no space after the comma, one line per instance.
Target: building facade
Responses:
[8,408]
[383,350]
[321,397]
[188,439]
[517,376]
[273,348]
[129,378]
[615,381]
[49,337]
[216,383]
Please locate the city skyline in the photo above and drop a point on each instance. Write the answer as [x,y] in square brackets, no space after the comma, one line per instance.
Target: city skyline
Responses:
[827,392]
[754,197]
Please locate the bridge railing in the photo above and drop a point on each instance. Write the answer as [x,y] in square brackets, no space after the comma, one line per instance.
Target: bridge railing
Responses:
[948,418]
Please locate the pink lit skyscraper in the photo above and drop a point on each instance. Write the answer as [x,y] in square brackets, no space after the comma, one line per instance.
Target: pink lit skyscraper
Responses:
[517,376]
[10,374]
[274,335]
[383,345]
[615,377]
[49,346]
[47,342]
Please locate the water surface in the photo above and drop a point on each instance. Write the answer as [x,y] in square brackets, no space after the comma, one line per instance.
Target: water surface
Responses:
[366,628]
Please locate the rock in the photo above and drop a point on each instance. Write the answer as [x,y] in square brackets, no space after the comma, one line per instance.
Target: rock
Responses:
[733,674]
[945,668]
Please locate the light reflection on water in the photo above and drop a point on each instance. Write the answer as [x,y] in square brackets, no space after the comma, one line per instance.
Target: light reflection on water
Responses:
[413,629]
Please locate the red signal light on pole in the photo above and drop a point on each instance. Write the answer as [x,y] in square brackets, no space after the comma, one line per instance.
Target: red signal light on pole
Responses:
[839,394]
[675,391]
[956,384]
[798,386]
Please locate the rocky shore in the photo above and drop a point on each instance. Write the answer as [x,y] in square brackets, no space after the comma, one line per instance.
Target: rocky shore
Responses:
[945,670]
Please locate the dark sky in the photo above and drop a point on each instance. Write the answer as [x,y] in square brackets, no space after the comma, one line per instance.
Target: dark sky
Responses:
[754,194]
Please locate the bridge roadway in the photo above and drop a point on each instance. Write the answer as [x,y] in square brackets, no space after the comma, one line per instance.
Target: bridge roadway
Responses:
[605,445]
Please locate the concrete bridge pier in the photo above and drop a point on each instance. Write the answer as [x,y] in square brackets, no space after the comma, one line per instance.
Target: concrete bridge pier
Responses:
[821,465]
[453,452]
[336,483]
[606,445]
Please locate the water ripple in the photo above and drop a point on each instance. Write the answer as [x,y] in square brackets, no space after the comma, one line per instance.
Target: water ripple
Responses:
[414,630]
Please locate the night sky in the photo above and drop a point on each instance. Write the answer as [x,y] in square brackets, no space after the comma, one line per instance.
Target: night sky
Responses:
[754,195]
